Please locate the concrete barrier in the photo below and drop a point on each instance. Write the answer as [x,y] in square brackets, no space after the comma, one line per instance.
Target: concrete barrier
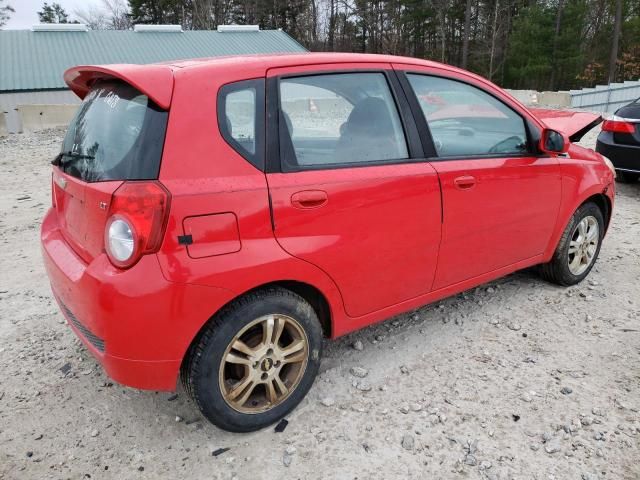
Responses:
[39,117]
[3,125]
[554,99]
[527,97]
[542,99]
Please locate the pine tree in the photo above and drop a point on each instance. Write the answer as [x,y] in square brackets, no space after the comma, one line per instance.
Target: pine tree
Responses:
[537,44]
[53,13]
[5,13]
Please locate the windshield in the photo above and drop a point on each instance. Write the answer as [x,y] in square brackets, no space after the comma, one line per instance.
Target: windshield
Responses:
[117,134]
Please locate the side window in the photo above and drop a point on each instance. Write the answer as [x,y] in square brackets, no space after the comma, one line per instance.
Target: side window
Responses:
[332,119]
[464,120]
[241,119]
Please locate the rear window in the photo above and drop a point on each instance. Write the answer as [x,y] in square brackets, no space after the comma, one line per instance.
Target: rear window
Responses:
[117,134]
[630,111]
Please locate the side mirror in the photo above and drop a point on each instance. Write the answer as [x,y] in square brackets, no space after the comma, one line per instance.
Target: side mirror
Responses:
[553,142]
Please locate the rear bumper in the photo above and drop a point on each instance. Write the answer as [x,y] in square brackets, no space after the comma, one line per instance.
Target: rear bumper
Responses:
[136,324]
[623,157]
[147,375]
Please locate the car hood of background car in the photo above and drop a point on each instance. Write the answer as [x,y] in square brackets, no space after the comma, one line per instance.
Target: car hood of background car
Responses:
[573,124]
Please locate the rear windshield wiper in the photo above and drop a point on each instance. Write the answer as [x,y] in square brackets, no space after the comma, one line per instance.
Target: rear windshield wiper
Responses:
[57,161]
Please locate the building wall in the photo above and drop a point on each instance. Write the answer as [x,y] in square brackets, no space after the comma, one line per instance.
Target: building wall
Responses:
[9,104]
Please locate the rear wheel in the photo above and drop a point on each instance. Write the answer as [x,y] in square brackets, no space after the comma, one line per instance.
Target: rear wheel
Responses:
[255,361]
[578,247]
[627,177]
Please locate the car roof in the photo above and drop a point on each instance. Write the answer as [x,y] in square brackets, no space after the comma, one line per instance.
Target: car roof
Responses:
[156,79]
[295,59]
[260,63]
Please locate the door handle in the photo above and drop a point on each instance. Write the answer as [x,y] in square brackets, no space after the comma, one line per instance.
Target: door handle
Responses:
[309,199]
[465,182]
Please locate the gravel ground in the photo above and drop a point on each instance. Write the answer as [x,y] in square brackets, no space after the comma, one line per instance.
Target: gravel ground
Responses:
[518,379]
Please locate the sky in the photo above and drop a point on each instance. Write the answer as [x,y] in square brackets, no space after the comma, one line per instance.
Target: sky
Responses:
[25,11]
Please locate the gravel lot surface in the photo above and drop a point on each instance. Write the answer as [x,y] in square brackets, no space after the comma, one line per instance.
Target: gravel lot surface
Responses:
[518,379]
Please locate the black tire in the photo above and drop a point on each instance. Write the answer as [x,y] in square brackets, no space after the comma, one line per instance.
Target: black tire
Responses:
[201,368]
[557,270]
[627,177]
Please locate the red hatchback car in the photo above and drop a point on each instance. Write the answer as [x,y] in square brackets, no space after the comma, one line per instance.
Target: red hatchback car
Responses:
[216,218]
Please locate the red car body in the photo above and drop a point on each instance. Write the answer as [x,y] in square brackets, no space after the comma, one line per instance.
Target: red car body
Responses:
[361,243]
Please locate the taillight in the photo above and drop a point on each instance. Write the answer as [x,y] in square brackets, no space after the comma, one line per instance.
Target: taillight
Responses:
[120,240]
[137,220]
[618,125]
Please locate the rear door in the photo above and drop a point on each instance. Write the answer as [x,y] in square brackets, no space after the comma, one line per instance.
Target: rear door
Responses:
[500,200]
[350,190]
[82,211]
[68,194]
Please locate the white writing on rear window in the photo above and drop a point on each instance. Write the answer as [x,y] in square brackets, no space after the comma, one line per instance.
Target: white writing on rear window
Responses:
[111,99]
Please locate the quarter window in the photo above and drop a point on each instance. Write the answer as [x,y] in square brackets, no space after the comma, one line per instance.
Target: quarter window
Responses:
[241,119]
[465,120]
[333,119]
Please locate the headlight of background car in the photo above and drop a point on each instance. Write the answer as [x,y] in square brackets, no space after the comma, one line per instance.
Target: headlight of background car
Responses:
[610,165]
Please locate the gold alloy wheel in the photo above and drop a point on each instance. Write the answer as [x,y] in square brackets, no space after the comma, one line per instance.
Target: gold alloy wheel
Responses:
[263,364]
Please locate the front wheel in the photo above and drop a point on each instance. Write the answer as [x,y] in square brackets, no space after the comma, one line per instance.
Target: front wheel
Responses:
[578,247]
[255,361]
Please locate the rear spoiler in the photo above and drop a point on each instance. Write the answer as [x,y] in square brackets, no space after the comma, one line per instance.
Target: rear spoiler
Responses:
[573,124]
[155,81]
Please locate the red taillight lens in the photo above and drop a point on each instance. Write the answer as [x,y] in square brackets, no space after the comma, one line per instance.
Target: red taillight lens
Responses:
[618,125]
[137,221]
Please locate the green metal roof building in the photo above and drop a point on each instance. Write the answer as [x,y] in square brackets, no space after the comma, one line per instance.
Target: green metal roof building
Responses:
[32,61]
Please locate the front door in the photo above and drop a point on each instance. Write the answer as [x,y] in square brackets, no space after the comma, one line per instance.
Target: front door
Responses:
[353,196]
[500,200]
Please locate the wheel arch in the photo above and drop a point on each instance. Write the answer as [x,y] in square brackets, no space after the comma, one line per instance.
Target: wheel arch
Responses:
[311,294]
[604,204]
[597,195]
[316,298]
